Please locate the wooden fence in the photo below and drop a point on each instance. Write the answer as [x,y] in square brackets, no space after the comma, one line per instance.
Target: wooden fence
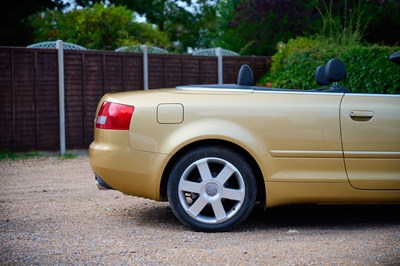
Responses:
[29,99]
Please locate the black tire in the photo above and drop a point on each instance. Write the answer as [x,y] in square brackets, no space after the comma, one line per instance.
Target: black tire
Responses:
[211,189]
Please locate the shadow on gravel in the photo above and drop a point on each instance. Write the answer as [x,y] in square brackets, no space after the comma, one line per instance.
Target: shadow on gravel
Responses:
[157,215]
[324,217]
[333,217]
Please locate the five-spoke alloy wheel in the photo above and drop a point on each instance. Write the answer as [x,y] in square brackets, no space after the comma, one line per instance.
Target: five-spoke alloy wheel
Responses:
[211,189]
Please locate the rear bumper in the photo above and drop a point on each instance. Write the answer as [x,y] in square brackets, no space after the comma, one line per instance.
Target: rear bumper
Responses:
[129,171]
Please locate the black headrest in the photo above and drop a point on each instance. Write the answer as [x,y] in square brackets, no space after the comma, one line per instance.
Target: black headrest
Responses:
[319,76]
[245,76]
[335,70]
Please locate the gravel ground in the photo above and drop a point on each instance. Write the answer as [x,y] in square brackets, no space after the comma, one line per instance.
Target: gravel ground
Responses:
[52,213]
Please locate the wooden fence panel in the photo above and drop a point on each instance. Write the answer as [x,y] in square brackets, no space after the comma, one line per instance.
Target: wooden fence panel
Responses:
[156,71]
[24,102]
[75,101]
[133,72]
[6,99]
[174,71]
[46,100]
[28,85]
[29,100]
[208,70]
[191,67]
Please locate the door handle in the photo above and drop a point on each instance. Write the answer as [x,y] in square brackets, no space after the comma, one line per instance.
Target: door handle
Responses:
[361,116]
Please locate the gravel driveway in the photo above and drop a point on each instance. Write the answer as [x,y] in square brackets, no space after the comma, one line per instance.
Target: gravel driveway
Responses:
[52,213]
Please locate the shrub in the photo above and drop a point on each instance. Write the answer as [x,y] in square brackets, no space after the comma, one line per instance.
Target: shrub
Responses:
[368,67]
[370,71]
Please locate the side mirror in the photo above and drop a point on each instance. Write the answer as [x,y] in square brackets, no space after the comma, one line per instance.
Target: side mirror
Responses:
[395,57]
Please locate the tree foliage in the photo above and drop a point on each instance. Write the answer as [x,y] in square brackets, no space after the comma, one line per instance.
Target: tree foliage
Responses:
[256,26]
[96,27]
[185,22]
[245,26]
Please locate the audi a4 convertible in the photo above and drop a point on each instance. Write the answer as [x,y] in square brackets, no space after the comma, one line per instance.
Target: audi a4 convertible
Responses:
[216,151]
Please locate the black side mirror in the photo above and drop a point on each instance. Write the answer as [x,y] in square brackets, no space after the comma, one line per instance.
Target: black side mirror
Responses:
[395,57]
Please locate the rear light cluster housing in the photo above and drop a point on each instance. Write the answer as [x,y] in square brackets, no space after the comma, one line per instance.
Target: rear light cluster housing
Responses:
[114,116]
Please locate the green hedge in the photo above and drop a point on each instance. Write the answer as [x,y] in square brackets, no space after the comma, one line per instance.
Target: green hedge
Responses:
[368,67]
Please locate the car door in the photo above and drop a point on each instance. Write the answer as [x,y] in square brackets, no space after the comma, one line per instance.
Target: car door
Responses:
[301,131]
[370,126]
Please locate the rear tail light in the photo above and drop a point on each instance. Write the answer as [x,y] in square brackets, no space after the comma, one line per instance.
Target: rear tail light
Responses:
[114,116]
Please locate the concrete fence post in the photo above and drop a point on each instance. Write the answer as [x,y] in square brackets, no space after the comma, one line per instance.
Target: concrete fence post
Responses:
[61,94]
[145,67]
[220,66]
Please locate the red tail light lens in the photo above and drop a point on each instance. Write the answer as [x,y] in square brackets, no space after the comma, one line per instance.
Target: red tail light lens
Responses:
[114,116]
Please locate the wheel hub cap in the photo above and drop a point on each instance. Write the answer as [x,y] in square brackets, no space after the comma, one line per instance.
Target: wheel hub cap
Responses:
[211,190]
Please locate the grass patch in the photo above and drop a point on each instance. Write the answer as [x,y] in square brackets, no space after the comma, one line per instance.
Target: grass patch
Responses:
[19,155]
[68,156]
[5,154]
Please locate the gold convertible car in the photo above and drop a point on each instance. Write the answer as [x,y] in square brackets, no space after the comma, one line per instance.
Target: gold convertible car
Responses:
[215,151]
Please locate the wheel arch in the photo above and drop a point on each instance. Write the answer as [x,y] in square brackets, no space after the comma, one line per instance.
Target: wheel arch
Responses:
[261,195]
